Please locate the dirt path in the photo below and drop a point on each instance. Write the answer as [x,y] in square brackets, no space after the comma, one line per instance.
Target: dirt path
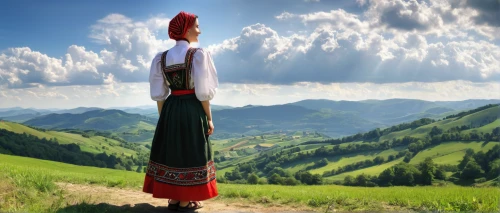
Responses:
[129,200]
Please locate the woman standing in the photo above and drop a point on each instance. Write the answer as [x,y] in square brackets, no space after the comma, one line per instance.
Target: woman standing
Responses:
[181,166]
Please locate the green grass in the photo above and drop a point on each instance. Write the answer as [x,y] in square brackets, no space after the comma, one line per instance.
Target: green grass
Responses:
[28,191]
[451,198]
[451,152]
[221,172]
[28,185]
[453,158]
[488,128]
[31,188]
[423,131]
[338,161]
[374,170]
[136,127]
[350,159]
[71,173]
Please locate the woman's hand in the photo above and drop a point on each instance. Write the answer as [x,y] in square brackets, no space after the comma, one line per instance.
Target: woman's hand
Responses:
[210,127]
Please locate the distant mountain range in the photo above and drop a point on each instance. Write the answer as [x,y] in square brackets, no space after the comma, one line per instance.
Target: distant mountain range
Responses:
[332,118]
[101,119]
[394,111]
[18,114]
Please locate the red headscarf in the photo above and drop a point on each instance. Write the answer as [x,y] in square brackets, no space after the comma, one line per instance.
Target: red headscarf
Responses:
[180,24]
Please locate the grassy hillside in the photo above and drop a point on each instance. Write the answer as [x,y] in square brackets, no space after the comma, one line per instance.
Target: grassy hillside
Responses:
[131,127]
[240,150]
[374,170]
[31,188]
[93,144]
[279,147]
[475,118]
[353,158]
[20,175]
[358,157]
[71,173]
[243,149]
[451,152]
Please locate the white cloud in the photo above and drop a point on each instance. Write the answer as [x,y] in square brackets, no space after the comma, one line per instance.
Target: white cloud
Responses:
[129,46]
[442,18]
[22,66]
[403,15]
[347,51]
[433,50]
[285,15]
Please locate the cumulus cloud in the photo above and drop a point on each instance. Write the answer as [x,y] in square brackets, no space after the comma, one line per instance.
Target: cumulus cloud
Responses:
[488,11]
[391,41]
[128,48]
[451,19]
[22,67]
[482,16]
[442,18]
[285,15]
[404,15]
[346,52]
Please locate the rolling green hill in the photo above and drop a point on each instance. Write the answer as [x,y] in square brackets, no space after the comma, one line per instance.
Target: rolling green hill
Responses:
[93,144]
[474,130]
[130,127]
[93,120]
[451,152]
[374,170]
[73,173]
[332,118]
[256,120]
[307,150]
[490,116]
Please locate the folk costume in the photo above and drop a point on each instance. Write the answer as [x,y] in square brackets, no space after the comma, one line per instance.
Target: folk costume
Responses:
[181,163]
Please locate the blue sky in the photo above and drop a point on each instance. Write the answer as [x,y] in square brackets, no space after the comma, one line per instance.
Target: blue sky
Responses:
[64,54]
[52,26]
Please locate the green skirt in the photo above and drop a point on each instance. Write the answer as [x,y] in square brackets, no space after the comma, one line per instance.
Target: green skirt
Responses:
[181,163]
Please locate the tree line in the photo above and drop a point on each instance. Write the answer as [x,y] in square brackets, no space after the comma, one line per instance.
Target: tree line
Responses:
[473,168]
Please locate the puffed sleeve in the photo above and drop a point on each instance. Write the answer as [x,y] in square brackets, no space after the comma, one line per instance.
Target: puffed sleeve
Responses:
[157,86]
[204,75]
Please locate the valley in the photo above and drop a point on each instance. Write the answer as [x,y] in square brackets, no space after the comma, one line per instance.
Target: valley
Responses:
[452,150]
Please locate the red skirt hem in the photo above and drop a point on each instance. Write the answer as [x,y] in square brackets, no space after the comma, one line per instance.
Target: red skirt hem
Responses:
[183,193]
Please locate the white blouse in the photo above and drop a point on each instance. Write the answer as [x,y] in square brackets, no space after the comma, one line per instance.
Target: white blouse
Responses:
[203,73]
